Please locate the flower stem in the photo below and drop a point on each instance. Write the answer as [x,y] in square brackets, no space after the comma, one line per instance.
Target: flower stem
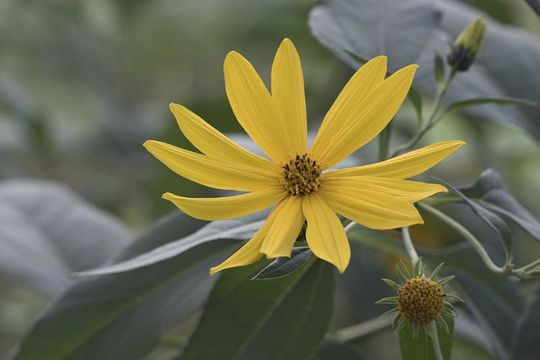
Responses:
[435,341]
[434,115]
[360,330]
[409,246]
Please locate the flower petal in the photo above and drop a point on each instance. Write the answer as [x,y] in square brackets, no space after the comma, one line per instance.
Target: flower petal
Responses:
[249,252]
[213,143]
[285,228]
[408,190]
[229,206]
[349,104]
[215,173]
[288,94]
[407,165]
[373,209]
[368,119]
[254,108]
[325,234]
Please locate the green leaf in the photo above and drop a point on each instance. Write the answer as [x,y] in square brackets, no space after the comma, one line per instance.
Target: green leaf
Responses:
[284,266]
[525,344]
[373,27]
[421,346]
[285,318]
[47,232]
[239,229]
[490,193]
[330,350]
[490,218]
[122,316]
[439,69]
[459,105]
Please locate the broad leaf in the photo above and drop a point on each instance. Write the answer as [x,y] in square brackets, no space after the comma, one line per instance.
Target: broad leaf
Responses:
[421,347]
[525,344]
[336,351]
[239,229]
[245,319]
[283,266]
[414,31]
[489,191]
[122,316]
[491,219]
[48,232]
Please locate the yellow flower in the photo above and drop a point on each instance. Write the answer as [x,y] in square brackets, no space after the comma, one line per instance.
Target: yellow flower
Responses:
[296,178]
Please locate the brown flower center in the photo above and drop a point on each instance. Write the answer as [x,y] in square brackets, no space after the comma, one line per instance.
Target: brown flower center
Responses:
[301,175]
[420,300]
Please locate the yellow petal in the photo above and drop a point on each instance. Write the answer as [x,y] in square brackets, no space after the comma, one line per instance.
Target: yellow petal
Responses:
[248,253]
[372,209]
[254,108]
[213,143]
[408,190]
[407,165]
[325,234]
[288,94]
[216,173]
[368,119]
[227,207]
[349,104]
[285,228]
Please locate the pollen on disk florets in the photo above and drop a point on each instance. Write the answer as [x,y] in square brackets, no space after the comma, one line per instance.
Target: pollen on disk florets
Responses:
[301,175]
[420,300]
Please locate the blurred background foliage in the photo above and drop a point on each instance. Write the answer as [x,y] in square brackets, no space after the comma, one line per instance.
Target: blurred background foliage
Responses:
[84,83]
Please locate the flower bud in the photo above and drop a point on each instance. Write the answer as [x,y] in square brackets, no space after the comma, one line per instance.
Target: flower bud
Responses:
[466,45]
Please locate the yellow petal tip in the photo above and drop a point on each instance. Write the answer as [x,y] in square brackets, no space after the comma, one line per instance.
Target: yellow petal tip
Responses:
[168,196]
[148,144]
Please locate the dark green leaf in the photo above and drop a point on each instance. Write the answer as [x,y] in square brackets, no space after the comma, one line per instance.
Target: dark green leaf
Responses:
[421,346]
[238,229]
[245,319]
[283,266]
[335,351]
[47,232]
[372,27]
[439,69]
[122,316]
[490,218]
[525,344]
[492,195]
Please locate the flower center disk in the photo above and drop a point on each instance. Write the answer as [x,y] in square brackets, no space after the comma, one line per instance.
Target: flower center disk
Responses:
[420,300]
[301,175]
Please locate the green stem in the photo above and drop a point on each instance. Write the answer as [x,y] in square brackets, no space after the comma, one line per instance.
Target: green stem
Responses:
[435,341]
[434,115]
[409,246]
[365,328]
[478,247]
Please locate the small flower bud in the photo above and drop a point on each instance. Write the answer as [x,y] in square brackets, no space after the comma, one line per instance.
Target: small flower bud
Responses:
[466,45]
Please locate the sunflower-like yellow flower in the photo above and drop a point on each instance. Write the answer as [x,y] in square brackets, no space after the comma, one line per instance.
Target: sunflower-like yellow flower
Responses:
[296,178]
